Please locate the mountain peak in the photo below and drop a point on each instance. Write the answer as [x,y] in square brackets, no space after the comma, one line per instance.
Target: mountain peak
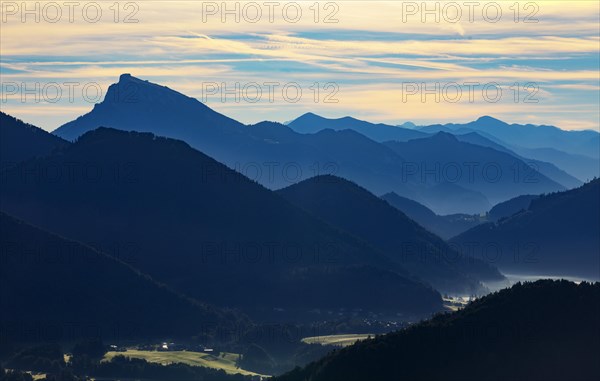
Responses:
[129,80]
[140,105]
[125,77]
[488,119]
[130,90]
[309,116]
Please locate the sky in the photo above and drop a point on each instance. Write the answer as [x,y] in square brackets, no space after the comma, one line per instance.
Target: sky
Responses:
[382,61]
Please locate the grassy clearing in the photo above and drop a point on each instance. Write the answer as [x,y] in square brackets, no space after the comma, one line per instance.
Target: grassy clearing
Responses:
[225,361]
[336,340]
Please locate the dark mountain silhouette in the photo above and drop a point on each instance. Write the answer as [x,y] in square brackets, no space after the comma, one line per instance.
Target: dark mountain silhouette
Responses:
[443,159]
[310,123]
[148,107]
[529,135]
[542,331]
[345,204]
[204,229]
[56,289]
[351,155]
[510,207]
[557,234]
[136,105]
[133,104]
[545,168]
[445,226]
[20,141]
[269,153]
[265,151]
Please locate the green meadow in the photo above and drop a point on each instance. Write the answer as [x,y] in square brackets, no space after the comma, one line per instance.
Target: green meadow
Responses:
[225,360]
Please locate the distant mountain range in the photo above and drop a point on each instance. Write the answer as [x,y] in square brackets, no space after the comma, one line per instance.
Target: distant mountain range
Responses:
[576,152]
[310,123]
[204,229]
[516,334]
[557,234]
[528,135]
[270,153]
[583,167]
[352,208]
[59,290]
[276,155]
[547,169]
[548,159]
[491,176]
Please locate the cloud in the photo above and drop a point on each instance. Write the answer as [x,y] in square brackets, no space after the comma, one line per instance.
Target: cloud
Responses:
[369,52]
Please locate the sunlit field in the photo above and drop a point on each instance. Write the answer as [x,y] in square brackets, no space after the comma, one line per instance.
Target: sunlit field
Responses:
[336,340]
[225,361]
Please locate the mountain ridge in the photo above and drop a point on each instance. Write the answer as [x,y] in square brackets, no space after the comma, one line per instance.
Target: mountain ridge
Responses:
[529,135]
[556,234]
[389,229]
[313,123]
[515,334]
[267,150]
[164,194]
[21,141]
